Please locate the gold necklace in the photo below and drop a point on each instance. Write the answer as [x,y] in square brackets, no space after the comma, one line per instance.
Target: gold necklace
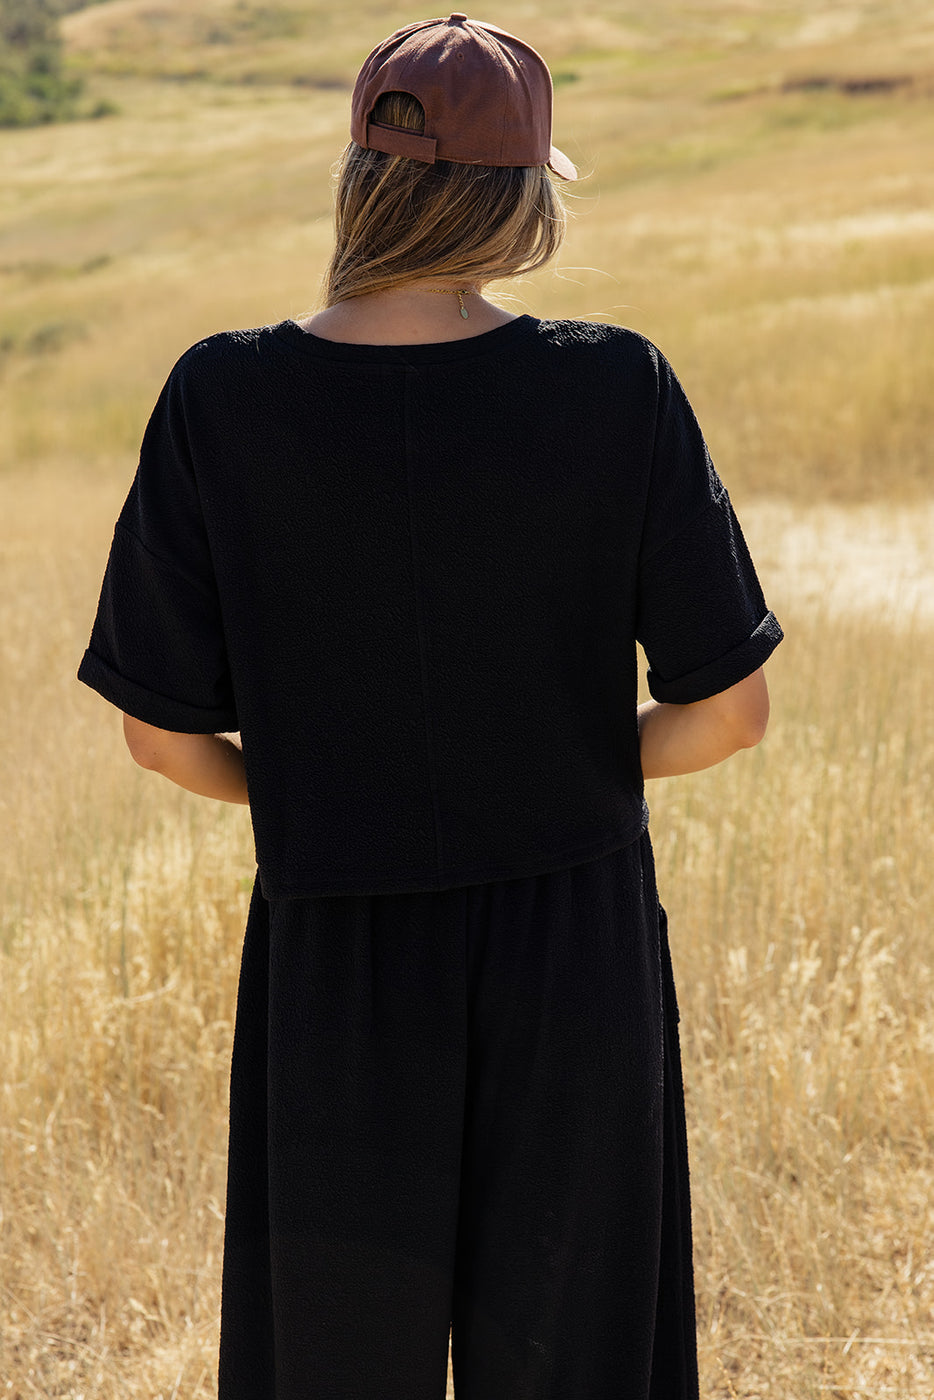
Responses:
[446,291]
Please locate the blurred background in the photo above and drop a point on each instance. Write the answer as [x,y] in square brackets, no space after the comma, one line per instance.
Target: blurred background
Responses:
[760,204]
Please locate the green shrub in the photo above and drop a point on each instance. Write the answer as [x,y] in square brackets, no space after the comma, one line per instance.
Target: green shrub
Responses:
[34,87]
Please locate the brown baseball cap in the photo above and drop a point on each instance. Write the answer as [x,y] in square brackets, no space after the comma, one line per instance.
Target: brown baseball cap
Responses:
[487,96]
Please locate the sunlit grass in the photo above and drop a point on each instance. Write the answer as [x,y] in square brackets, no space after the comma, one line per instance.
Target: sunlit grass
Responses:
[799,887]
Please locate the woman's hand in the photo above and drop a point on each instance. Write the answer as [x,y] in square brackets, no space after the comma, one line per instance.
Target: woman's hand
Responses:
[208,764]
[677,739]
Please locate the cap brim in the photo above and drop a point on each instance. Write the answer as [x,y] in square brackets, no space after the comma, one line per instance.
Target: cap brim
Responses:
[560,164]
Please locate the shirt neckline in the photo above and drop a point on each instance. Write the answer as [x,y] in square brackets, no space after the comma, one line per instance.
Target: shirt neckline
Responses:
[444,351]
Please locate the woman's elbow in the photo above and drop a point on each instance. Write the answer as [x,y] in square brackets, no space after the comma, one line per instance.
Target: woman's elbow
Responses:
[753,730]
[750,707]
[143,742]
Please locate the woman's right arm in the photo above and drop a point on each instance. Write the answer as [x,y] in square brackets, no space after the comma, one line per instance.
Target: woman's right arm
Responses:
[210,765]
[676,739]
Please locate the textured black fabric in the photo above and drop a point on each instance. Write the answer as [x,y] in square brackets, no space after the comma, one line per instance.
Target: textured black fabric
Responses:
[413,577]
[460,1108]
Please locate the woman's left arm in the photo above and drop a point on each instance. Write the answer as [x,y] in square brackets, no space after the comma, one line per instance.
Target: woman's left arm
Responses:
[208,764]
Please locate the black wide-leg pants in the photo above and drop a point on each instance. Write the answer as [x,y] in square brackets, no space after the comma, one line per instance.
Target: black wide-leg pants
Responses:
[458,1116]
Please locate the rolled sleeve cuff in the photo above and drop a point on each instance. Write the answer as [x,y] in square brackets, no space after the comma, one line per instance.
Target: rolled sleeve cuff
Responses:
[725,671]
[162,711]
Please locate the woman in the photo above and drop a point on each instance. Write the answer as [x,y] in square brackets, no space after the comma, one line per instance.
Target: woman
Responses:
[405,548]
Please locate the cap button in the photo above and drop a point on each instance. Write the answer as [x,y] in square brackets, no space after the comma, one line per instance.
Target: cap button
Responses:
[457,18]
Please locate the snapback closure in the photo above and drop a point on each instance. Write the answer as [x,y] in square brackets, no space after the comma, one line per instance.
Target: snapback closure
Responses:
[399,141]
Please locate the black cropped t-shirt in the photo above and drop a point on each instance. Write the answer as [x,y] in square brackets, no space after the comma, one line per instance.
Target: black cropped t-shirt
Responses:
[413,578]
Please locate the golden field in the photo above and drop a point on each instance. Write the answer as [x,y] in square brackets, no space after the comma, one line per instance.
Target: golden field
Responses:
[761,204]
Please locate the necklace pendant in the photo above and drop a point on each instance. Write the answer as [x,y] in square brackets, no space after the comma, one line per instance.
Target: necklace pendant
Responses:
[465,313]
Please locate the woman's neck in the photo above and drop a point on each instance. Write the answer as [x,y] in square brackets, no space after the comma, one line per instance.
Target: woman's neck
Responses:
[421,313]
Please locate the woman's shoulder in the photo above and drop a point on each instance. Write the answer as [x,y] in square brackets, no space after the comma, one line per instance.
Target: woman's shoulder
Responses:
[600,338]
[591,352]
[224,350]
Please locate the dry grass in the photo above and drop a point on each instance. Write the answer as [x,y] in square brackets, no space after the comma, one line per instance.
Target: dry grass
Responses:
[776,242]
[799,887]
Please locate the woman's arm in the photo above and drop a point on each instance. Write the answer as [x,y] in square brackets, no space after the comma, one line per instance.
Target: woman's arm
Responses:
[677,739]
[208,764]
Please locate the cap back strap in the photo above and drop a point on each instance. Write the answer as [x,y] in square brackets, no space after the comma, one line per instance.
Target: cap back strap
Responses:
[399,141]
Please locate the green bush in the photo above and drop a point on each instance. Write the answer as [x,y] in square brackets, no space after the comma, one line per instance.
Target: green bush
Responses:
[34,87]
[37,92]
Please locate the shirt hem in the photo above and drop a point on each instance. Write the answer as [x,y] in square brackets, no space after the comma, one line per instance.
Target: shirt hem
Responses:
[425,881]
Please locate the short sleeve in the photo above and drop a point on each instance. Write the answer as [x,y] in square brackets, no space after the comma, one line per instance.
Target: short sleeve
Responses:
[702,619]
[157,648]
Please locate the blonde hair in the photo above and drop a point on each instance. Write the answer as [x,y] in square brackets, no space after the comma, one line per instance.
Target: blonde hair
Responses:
[399,220]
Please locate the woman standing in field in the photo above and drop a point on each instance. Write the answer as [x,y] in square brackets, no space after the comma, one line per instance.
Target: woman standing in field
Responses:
[405,547]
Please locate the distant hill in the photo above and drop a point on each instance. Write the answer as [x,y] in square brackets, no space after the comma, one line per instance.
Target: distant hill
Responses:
[227,42]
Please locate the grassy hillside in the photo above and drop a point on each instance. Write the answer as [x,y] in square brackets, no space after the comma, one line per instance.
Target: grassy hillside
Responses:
[759,203]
